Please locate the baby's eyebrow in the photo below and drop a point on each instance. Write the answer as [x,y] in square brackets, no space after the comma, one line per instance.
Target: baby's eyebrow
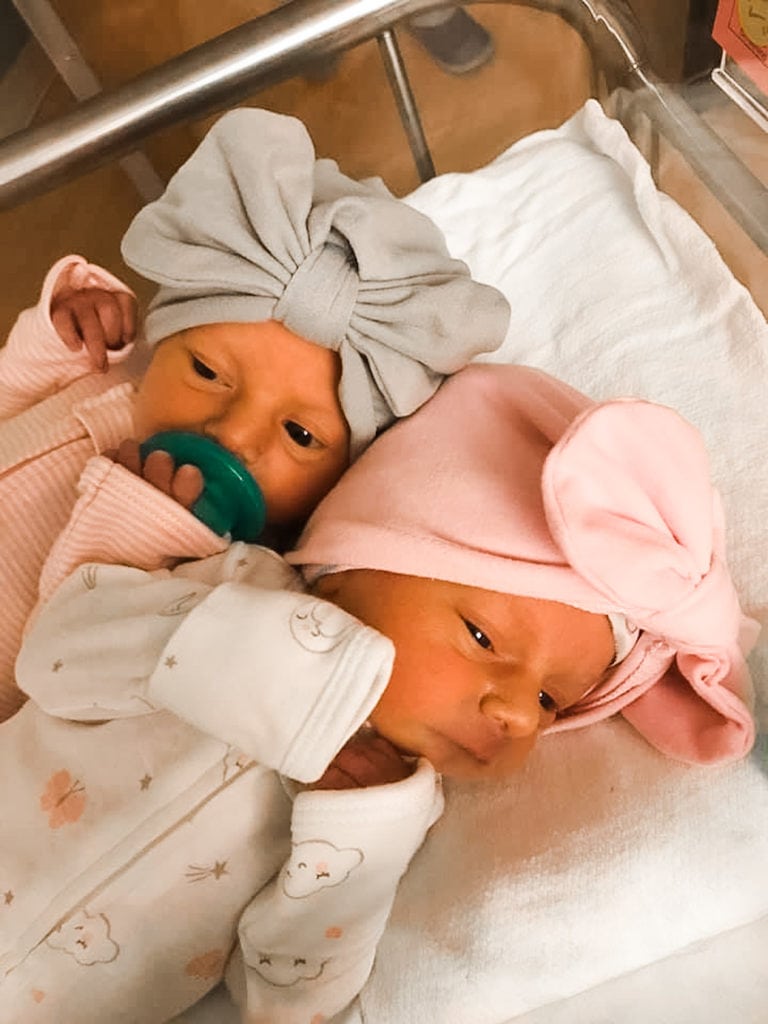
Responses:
[331,426]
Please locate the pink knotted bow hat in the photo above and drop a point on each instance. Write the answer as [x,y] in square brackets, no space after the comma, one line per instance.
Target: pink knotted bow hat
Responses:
[510,480]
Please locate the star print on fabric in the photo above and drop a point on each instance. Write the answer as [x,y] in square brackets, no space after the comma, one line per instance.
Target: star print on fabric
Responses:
[198,873]
[170,661]
[8,897]
[58,664]
[146,782]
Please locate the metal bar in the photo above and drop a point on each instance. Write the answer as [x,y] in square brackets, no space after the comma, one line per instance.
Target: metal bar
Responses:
[211,77]
[406,104]
[271,48]
[62,51]
[208,78]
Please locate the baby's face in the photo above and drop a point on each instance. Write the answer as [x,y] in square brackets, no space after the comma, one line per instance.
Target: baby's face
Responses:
[264,393]
[477,674]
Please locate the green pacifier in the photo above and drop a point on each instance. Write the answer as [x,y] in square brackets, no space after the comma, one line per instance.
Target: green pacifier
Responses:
[231,502]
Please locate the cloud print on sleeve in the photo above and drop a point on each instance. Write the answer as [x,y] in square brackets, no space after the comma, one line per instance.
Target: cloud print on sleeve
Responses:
[318,626]
[315,865]
[86,938]
[284,970]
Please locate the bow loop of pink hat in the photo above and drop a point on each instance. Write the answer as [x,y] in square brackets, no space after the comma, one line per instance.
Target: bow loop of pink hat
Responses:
[644,530]
[628,498]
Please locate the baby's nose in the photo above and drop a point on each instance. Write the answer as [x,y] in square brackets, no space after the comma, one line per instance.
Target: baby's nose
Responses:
[516,718]
[243,433]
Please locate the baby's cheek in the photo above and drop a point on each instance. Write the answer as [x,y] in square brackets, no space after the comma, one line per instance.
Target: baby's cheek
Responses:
[291,496]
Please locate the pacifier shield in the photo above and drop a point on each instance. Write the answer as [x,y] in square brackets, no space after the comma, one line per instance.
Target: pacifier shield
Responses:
[231,503]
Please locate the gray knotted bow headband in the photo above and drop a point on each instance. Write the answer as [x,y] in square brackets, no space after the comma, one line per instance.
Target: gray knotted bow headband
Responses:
[252,227]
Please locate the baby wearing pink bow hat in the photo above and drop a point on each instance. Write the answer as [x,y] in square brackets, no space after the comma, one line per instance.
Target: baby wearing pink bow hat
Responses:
[540,561]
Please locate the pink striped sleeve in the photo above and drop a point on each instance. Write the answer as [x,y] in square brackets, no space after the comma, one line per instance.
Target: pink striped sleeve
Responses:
[35,362]
[121,519]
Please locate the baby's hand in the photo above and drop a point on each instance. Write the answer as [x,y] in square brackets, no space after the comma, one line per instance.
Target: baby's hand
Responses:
[184,484]
[366,760]
[96,318]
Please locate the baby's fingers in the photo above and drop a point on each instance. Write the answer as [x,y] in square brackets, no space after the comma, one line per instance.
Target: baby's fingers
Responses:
[335,777]
[364,761]
[117,316]
[159,470]
[184,484]
[94,338]
[95,318]
[78,323]
[65,325]
[187,485]
[128,456]
[127,307]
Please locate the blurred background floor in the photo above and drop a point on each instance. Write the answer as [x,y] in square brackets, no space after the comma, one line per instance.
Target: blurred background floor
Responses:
[540,75]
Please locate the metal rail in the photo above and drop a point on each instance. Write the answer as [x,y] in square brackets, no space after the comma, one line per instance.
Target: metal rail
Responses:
[268,49]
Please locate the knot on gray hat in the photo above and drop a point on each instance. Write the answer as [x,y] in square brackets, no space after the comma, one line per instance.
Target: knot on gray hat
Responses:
[252,227]
[319,299]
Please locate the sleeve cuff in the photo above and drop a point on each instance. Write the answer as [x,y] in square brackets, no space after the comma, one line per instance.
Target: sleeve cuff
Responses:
[122,519]
[405,810]
[282,675]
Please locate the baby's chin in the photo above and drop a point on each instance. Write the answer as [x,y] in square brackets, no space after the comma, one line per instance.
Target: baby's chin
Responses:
[475,771]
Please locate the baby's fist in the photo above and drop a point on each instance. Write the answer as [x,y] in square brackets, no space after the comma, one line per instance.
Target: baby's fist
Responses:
[366,760]
[95,318]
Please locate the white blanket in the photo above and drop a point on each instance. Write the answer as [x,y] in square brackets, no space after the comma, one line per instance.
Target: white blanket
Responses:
[602,857]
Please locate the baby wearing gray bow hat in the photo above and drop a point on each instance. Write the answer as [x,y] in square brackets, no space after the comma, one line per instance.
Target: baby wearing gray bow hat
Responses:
[300,312]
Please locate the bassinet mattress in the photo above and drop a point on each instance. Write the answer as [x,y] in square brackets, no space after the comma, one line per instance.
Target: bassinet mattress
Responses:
[604,884]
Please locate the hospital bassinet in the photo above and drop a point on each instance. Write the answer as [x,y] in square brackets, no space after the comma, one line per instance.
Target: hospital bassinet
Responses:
[605,884]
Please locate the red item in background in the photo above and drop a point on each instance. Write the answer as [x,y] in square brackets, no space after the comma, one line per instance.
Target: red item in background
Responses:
[741,28]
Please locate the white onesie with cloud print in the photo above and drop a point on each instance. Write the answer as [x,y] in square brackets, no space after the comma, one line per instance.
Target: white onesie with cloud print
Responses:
[145,819]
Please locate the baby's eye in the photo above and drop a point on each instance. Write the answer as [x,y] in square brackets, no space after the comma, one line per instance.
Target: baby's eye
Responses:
[478,635]
[202,369]
[547,703]
[299,435]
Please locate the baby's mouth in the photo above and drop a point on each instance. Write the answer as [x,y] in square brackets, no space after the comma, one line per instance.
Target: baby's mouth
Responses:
[476,757]
[479,756]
